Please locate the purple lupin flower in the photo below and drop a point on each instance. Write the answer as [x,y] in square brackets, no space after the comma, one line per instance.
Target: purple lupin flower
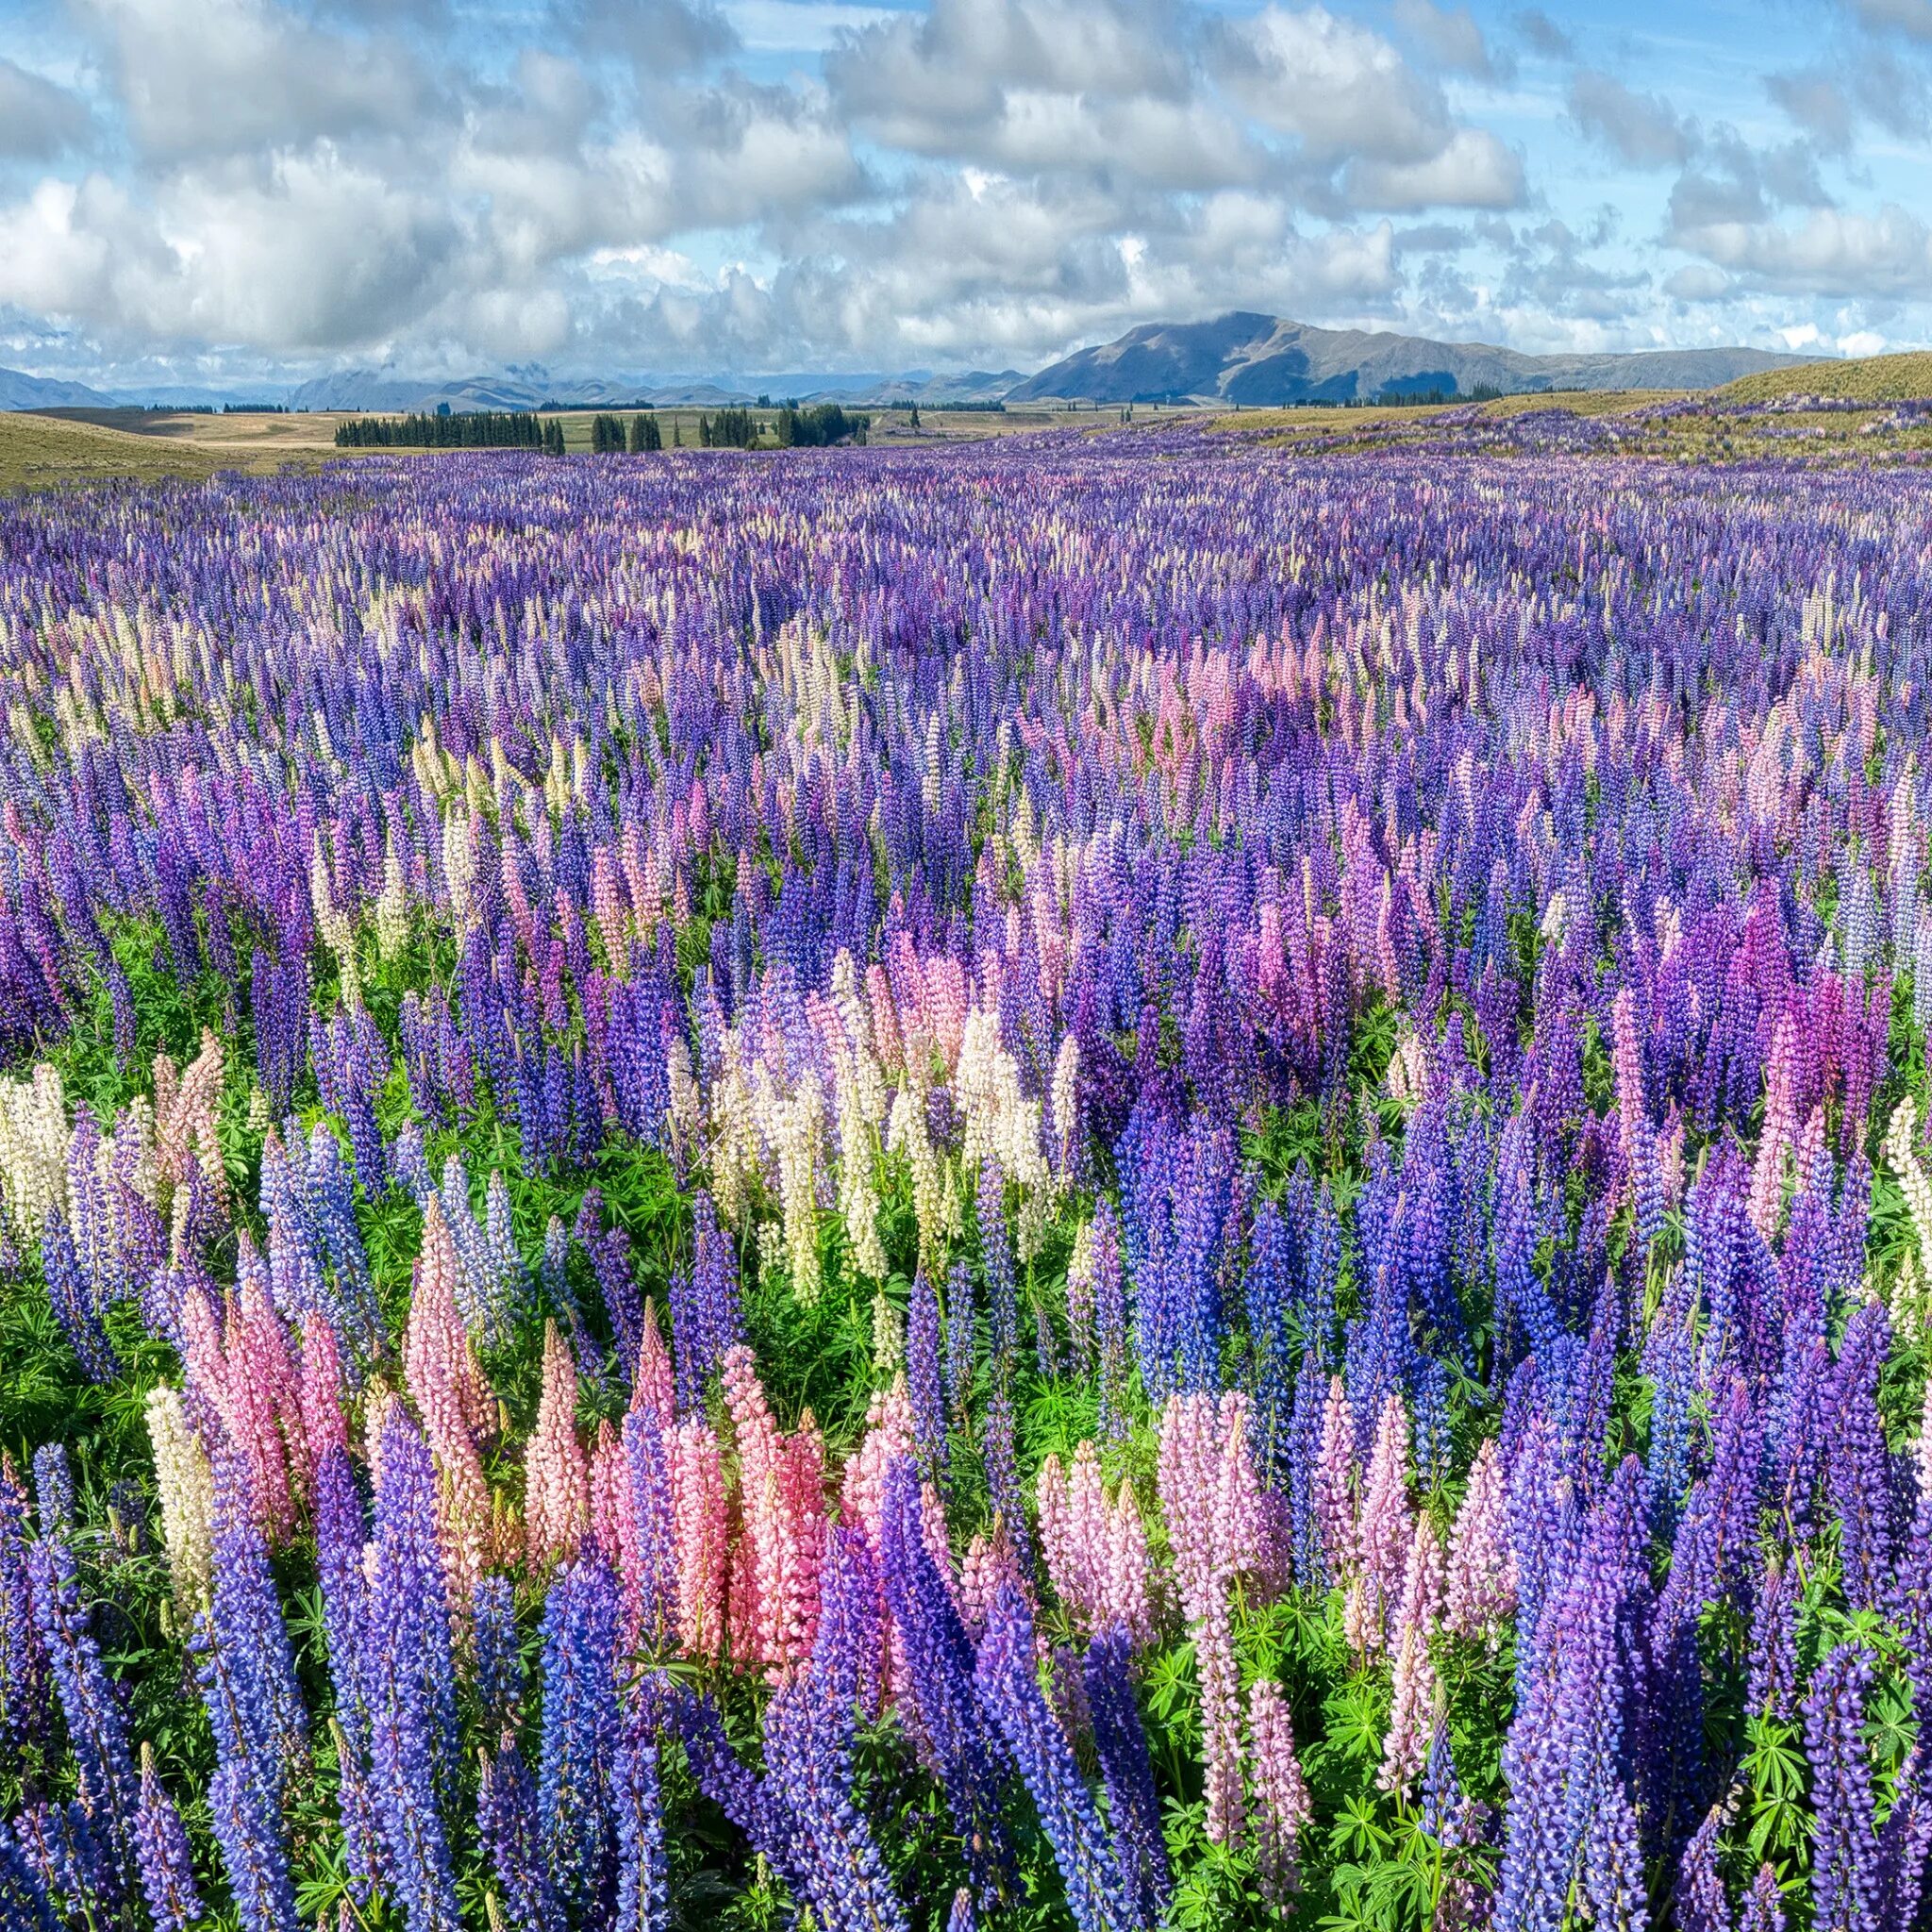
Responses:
[409,1681]
[581,1733]
[511,1838]
[746,1799]
[1133,1804]
[1115,1363]
[1096,1891]
[1857,1470]
[705,1318]
[339,1545]
[247,1666]
[24,1900]
[810,1726]
[1764,1905]
[25,1712]
[1001,1450]
[1844,1886]
[59,1846]
[964,1750]
[90,1699]
[960,1345]
[498,1651]
[253,1852]
[643,1883]
[53,1489]
[1698,1898]
[167,1872]
[1773,1686]
[925,1377]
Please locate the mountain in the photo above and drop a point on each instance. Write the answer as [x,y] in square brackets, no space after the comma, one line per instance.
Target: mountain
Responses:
[19,391]
[1262,360]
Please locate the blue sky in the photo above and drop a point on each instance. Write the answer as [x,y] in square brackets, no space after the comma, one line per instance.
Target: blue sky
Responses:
[227,190]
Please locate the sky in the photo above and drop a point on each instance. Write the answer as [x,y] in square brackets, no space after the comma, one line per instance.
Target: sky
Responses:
[221,191]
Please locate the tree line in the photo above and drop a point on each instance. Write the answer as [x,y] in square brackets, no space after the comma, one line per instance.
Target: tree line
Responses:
[468,429]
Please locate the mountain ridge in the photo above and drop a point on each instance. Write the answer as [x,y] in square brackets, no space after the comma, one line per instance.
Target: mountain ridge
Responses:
[1255,360]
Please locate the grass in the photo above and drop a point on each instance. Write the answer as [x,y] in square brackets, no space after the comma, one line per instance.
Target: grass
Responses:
[40,452]
[1864,379]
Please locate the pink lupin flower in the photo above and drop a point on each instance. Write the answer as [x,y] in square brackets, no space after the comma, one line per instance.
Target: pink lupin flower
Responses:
[263,1414]
[614,1521]
[1766,1204]
[700,1535]
[887,1436]
[1281,1793]
[781,1490]
[652,1387]
[1481,1590]
[1095,1551]
[438,1363]
[557,1481]
[440,1367]
[1211,1496]
[323,1424]
[861,1503]
[988,1563]
[1413,1702]
[1335,1483]
[1384,1535]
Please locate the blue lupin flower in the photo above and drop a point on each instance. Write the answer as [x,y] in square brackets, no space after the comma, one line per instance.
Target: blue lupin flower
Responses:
[1133,1804]
[90,1699]
[410,1682]
[167,1872]
[1096,1889]
[581,1734]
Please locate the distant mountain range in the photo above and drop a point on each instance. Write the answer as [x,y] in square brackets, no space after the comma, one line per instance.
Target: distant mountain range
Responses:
[1242,358]
[19,391]
[1260,360]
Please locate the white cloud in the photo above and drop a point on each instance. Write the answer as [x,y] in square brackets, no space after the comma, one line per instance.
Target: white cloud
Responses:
[37,119]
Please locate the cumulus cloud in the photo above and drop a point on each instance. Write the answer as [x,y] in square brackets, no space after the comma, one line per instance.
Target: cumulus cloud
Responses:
[1641,129]
[38,120]
[626,185]
[208,76]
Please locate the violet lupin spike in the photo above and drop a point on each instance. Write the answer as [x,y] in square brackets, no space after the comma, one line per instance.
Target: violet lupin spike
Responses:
[1133,1804]
[1096,1891]
[167,1872]
[1845,1885]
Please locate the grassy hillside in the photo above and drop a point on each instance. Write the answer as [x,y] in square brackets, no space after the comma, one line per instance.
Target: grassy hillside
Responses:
[42,453]
[1863,379]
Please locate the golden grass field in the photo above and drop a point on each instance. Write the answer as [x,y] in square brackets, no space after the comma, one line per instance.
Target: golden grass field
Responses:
[52,448]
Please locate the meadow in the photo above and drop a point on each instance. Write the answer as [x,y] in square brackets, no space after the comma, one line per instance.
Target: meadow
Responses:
[1098,1181]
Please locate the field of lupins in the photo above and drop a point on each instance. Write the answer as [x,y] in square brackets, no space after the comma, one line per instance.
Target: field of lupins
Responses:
[1103,1183]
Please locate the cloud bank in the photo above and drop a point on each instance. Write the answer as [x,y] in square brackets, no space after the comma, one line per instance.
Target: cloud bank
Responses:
[223,189]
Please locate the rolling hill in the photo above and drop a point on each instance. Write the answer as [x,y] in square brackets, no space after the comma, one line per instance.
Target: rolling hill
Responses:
[1866,379]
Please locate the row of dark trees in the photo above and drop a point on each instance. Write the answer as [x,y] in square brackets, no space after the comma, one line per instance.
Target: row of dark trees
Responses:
[467,429]
[609,437]
[796,426]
